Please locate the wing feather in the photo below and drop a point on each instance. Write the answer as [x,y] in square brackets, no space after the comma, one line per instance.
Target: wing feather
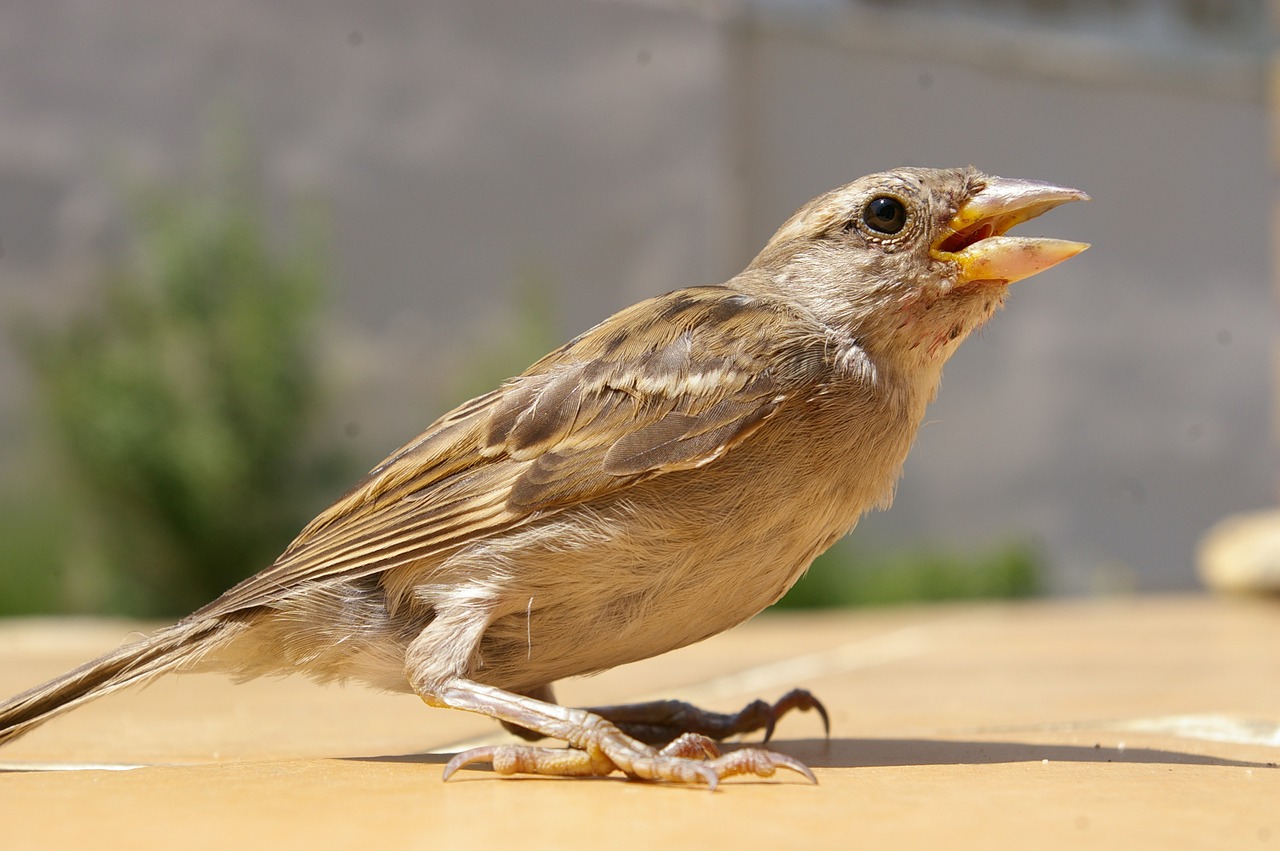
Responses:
[669,384]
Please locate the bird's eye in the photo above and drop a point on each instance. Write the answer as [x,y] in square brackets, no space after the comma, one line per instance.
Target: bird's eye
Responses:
[884,214]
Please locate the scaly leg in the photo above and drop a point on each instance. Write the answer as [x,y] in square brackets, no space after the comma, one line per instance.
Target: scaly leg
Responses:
[596,746]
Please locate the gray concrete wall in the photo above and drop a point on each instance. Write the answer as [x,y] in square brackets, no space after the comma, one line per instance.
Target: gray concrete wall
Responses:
[619,149]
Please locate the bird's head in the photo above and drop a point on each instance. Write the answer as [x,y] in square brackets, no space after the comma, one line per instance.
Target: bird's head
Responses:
[910,261]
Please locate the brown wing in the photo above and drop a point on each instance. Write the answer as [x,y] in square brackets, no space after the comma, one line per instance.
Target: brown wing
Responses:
[669,384]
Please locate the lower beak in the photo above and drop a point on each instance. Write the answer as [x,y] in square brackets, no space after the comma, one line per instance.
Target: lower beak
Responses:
[974,238]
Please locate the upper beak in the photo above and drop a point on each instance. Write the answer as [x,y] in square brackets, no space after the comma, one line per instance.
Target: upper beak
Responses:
[974,238]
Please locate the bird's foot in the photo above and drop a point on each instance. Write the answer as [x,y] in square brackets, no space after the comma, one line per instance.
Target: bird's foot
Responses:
[597,747]
[663,720]
[690,759]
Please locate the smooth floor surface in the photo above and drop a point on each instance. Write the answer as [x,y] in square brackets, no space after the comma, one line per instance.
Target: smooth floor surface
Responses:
[1135,723]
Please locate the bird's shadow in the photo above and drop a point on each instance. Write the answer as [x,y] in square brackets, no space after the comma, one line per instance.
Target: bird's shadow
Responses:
[875,753]
[880,753]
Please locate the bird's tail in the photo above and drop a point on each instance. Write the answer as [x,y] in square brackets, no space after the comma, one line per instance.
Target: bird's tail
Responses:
[174,647]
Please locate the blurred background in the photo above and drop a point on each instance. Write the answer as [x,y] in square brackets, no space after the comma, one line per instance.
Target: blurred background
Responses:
[248,249]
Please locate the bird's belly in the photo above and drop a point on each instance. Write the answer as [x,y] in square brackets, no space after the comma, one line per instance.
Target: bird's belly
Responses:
[584,602]
[566,633]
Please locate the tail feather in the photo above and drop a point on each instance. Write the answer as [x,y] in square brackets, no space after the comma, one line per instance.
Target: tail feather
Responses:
[169,649]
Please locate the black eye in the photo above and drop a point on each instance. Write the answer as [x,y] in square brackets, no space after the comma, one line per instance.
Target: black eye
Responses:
[884,214]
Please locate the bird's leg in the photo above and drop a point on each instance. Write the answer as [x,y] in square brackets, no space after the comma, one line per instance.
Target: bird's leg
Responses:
[542,693]
[661,721]
[596,746]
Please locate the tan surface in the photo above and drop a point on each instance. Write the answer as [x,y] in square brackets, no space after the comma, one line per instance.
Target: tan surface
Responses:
[1134,724]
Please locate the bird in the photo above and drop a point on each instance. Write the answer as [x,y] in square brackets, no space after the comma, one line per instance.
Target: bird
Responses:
[656,480]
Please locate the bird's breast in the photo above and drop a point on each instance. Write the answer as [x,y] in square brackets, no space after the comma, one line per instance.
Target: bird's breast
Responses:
[687,554]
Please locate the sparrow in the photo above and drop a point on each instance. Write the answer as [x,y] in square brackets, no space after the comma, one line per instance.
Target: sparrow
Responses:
[656,480]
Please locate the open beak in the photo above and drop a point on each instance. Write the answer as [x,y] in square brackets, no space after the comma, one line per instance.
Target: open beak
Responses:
[974,238]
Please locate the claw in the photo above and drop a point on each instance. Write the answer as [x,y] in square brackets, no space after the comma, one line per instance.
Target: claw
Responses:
[804,701]
[465,758]
[763,763]
[795,699]
[758,762]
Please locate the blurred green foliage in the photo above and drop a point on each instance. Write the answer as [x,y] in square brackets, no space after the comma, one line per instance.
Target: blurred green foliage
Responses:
[33,546]
[183,406]
[847,576]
